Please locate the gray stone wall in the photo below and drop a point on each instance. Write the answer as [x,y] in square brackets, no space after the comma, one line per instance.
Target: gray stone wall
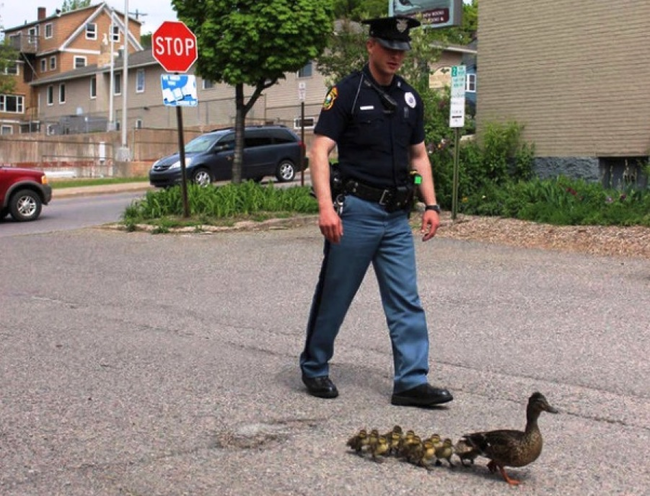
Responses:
[586,168]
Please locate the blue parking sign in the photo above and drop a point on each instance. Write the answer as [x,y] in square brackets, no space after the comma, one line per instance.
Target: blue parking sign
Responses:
[179,90]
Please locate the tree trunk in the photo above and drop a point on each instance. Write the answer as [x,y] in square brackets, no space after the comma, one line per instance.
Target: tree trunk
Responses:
[240,118]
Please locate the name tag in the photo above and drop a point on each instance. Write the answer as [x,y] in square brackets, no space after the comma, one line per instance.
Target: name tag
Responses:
[367,107]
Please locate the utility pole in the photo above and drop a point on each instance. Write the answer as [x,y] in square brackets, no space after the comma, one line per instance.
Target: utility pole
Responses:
[123,153]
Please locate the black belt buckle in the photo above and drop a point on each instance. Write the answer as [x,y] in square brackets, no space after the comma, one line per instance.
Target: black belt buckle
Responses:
[386,197]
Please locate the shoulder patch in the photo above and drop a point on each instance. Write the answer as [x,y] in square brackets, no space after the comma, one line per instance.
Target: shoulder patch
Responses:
[329,98]
[409,98]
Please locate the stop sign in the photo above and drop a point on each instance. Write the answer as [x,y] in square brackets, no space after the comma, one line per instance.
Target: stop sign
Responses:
[174,46]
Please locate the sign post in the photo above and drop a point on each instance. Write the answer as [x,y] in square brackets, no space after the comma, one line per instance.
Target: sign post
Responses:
[457,121]
[174,47]
[302,93]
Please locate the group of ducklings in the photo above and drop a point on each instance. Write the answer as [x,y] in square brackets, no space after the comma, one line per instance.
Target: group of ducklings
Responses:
[408,446]
[503,447]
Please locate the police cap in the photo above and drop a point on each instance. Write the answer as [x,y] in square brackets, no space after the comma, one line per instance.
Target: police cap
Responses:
[392,32]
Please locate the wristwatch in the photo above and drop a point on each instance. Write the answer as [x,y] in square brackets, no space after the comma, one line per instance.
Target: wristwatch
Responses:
[435,208]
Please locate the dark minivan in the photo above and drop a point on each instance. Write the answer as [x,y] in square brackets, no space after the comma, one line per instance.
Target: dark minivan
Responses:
[268,151]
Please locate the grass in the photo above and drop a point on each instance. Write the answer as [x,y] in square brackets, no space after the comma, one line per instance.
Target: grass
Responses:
[98,181]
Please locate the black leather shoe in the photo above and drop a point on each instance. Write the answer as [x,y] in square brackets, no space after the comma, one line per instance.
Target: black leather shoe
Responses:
[422,395]
[322,387]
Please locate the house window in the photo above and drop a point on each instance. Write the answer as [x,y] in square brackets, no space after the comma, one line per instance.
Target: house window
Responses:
[115,32]
[470,83]
[79,62]
[53,62]
[13,104]
[50,95]
[117,84]
[93,87]
[207,85]
[48,31]
[6,130]
[62,93]
[91,31]
[11,69]
[310,123]
[139,81]
[306,71]
[43,65]
[138,123]
[50,129]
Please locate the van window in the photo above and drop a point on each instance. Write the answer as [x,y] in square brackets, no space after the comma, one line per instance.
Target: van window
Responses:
[255,139]
[227,142]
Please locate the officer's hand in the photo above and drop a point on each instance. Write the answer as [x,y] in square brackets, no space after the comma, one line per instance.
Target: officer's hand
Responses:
[330,225]
[430,224]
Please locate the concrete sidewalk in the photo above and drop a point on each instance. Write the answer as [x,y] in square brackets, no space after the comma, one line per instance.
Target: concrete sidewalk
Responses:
[101,189]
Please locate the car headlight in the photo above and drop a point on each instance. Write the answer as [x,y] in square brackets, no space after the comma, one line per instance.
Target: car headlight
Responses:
[177,164]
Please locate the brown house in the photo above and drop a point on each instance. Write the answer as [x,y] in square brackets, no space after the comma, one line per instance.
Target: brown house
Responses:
[56,44]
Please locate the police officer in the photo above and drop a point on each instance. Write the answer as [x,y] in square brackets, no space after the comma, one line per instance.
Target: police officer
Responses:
[376,120]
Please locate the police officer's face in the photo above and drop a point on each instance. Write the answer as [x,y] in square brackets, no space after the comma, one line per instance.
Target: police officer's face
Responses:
[384,61]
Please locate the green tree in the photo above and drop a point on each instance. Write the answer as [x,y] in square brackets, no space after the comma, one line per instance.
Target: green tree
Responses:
[70,5]
[8,57]
[250,42]
[145,40]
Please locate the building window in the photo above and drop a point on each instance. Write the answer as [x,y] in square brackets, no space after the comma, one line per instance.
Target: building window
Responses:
[208,85]
[6,130]
[79,62]
[13,104]
[91,31]
[11,69]
[50,95]
[138,123]
[53,62]
[115,33]
[117,84]
[43,65]
[310,123]
[62,93]
[48,31]
[470,83]
[306,71]
[93,87]
[50,129]
[139,81]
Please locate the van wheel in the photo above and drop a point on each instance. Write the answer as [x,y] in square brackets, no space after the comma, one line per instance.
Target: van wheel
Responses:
[286,171]
[25,205]
[202,177]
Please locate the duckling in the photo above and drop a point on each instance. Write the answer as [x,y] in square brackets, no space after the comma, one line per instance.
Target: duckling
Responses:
[511,448]
[436,440]
[411,451]
[373,438]
[426,454]
[406,440]
[379,448]
[358,442]
[445,452]
[465,452]
[394,438]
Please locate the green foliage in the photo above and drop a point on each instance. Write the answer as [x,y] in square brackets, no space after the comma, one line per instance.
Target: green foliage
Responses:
[8,57]
[70,5]
[250,42]
[212,204]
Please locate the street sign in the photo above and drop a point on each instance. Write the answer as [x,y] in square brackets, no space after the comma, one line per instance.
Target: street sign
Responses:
[302,91]
[174,46]
[179,90]
[457,104]
[432,13]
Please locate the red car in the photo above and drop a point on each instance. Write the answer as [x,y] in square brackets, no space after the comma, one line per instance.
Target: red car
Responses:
[23,192]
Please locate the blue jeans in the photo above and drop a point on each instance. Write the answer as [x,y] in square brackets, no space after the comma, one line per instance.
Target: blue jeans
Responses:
[370,235]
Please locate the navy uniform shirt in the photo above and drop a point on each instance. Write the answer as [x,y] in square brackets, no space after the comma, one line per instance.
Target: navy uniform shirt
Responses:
[373,144]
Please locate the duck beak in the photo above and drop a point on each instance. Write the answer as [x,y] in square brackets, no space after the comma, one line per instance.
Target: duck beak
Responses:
[550,409]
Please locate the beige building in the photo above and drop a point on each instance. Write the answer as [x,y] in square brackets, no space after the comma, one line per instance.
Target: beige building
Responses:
[56,44]
[577,75]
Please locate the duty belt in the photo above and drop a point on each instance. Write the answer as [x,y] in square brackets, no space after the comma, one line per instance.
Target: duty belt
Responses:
[391,199]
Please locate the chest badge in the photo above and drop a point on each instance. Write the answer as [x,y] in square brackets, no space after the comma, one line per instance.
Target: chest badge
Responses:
[409,98]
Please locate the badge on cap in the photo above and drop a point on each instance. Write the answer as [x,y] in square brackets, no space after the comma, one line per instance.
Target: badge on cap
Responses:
[329,99]
[402,25]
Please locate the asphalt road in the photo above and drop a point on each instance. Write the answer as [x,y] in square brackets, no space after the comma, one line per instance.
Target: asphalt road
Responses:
[167,365]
